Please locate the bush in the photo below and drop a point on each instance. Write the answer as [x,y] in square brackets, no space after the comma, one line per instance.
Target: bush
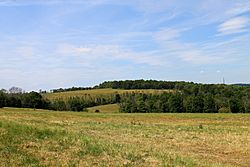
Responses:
[224,110]
[59,105]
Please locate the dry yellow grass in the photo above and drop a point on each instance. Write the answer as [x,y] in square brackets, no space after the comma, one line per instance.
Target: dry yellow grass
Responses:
[98,92]
[49,138]
[109,108]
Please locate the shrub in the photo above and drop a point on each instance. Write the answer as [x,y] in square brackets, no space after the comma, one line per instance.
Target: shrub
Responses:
[224,110]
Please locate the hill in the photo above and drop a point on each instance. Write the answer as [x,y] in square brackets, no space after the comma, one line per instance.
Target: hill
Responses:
[241,84]
[100,93]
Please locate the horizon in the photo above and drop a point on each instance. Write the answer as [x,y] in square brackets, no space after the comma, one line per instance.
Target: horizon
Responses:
[93,86]
[50,44]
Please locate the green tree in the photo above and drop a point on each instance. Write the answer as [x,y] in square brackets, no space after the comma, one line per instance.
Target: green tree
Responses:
[59,105]
[76,104]
[247,106]
[194,104]
[188,104]
[198,104]
[2,99]
[233,104]
[14,101]
[176,103]
[236,105]
[117,98]
[209,104]
[34,100]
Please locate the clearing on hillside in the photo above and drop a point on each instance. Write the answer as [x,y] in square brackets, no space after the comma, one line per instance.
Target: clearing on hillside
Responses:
[99,92]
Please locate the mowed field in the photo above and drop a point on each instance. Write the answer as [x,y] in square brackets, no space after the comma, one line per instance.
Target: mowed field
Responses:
[109,108]
[99,92]
[47,138]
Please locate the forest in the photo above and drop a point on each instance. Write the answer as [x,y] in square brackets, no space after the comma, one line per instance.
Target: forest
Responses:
[186,97]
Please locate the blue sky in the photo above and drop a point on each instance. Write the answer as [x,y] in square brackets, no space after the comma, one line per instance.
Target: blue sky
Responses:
[48,44]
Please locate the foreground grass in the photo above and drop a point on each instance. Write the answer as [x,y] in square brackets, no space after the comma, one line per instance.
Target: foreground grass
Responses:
[99,92]
[45,138]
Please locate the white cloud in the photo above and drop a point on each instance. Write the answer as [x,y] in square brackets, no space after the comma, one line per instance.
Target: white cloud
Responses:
[201,72]
[110,52]
[70,49]
[233,25]
[239,8]
[168,34]
[153,7]
[175,48]
[198,57]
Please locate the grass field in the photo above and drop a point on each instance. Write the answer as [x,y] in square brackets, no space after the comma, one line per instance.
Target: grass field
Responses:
[109,108]
[99,92]
[44,138]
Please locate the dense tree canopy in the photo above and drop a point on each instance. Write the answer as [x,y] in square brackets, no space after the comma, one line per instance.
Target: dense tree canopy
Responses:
[190,97]
[27,100]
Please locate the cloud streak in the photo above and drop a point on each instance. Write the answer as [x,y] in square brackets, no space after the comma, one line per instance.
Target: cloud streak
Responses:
[110,52]
[234,25]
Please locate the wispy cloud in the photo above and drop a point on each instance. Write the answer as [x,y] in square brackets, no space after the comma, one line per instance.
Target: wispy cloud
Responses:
[233,25]
[168,34]
[198,56]
[111,52]
[172,45]
[73,50]
[239,8]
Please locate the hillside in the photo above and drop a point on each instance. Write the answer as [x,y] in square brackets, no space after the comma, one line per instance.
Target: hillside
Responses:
[241,84]
[100,93]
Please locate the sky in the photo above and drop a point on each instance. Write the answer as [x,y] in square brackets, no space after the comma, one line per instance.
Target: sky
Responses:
[46,44]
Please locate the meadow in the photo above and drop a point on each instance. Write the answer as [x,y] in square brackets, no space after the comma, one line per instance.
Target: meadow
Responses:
[31,137]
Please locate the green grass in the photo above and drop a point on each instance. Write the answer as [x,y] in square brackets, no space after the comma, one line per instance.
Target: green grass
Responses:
[47,138]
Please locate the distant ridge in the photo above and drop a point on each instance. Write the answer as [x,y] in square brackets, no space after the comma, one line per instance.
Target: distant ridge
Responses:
[241,84]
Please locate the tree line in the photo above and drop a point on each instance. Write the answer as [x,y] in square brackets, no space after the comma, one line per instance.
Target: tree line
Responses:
[37,101]
[179,103]
[186,97]
[189,97]
[138,84]
[69,89]
[23,100]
